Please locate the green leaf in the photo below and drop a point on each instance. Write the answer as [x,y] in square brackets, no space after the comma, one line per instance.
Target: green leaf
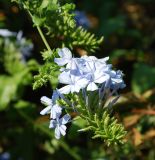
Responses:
[7,91]
[38,21]
[12,87]
[143,78]
[49,5]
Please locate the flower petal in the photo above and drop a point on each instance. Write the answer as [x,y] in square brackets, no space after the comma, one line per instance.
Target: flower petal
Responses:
[45,100]
[75,88]
[72,64]
[82,82]
[52,124]
[6,33]
[65,119]
[46,110]
[56,111]
[61,61]
[113,74]
[93,58]
[62,129]
[117,80]
[65,89]
[65,78]
[65,53]
[100,77]
[57,133]
[55,96]
[92,87]
[103,60]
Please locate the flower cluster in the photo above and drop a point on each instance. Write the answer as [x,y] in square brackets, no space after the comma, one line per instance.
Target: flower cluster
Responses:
[87,72]
[23,45]
[55,112]
[80,75]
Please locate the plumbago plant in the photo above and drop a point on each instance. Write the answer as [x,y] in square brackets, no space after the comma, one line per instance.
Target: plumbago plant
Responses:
[89,86]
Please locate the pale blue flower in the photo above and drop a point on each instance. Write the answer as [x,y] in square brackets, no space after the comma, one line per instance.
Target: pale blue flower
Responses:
[93,70]
[73,83]
[56,111]
[116,81]
[82,19]
[24,45]
[65,57]
[86,72]
[6,33]
[91,63]
[97,77]
[59,125]
[55,96]
[48,102]
[101,73]
[52,108]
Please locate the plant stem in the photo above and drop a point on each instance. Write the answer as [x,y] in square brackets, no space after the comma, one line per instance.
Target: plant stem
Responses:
[44,39]
[40,32]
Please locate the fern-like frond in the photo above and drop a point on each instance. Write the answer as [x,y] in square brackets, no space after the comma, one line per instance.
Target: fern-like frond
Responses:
[46,73]
[58,20]
[106,128]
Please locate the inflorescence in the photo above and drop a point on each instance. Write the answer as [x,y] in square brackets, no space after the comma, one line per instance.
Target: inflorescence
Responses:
[83,78]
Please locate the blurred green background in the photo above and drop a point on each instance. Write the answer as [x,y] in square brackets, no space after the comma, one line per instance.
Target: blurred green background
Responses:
[129,41]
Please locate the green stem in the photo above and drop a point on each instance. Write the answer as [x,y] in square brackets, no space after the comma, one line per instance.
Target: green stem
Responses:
[44,39]
[40,32]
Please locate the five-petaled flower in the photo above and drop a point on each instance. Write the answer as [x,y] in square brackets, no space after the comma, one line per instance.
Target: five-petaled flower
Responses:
[73,83]
[59,125]
[54,109]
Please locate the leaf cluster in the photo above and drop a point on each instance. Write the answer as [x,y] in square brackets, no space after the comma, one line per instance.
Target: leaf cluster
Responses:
[106,128]
[99,121]
[57,18]
[48,72]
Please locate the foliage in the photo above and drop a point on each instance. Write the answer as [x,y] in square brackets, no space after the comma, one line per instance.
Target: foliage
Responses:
[42,14]
[107,128]
[18,74]
[59,23]
[128,28]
